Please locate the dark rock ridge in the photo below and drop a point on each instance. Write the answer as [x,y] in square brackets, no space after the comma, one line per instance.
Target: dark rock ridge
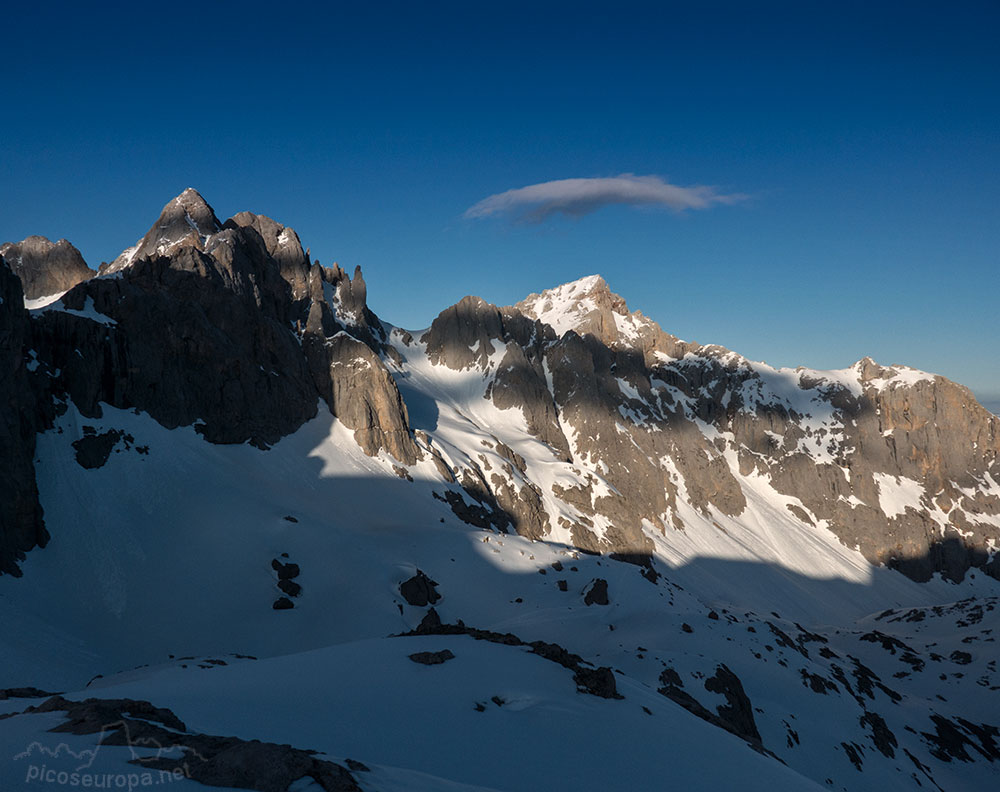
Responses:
[208,759]
[21,524]
[735,716]
[598,682]
[45,267]
[224,326]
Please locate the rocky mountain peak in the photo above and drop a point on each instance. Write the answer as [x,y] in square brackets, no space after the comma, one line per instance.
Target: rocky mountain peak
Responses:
[872,374]
[564,307]
[283,245]
[187,220]
[45,267]
[190,206]
[586,305]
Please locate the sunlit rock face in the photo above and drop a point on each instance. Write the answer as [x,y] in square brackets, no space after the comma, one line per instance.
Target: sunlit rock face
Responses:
[898,464]
[45,268]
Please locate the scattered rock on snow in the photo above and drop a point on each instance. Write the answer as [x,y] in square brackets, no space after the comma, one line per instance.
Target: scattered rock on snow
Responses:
[419,590]
[285,571]
[596,593]
[432,658]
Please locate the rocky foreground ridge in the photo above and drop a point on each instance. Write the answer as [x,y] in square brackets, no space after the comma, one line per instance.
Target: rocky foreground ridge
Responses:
[230,327]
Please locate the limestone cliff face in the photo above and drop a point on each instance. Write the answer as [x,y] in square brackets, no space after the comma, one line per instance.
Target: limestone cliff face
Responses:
[343,342]
[282,245]
[200,336]
[470,333]
[21,524]
[899,464]
[224,326]
[186,221]
[45,267]
[362,394]
[912,482]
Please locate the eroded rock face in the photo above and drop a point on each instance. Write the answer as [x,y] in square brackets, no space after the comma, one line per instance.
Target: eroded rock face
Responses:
[905,471]
[186,221]
[362,394]
[21,524]
[45,267]
[199,337]
[226,326]
[475,334]
[897,463]
[283,246]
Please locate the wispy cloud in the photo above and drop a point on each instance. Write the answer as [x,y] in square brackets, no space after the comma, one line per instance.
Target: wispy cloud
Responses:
[577,197]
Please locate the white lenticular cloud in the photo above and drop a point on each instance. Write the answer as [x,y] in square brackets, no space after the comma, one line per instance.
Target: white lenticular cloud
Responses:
[577,197]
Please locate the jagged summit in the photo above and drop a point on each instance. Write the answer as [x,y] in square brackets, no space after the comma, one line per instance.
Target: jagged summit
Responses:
[587,305]
[45,267]
[186,220]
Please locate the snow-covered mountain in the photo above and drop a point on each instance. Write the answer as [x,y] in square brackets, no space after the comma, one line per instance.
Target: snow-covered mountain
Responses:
[543,545]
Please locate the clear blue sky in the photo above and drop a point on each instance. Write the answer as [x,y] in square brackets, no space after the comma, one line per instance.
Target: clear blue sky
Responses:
[866,137]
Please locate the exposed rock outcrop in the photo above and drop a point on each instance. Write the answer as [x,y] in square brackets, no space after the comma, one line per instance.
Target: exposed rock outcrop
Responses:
[45,267]
[195,337]
[598,681]
[432,658]
[903,465]
[282,245]
[211,760]
[187,220]
[420,591]
[502,341]
[21,524]
[200,327]
[362,394]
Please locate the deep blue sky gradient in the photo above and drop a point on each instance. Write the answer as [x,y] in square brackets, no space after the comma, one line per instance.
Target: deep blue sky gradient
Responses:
[866,134]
